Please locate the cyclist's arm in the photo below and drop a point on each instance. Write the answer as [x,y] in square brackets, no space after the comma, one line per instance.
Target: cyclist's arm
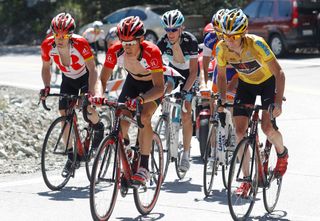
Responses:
[233,84]
[104,77]
[205,64]
[222,82]
[158,88]
[45,72]
[192,75]
[278,73]
[92,75]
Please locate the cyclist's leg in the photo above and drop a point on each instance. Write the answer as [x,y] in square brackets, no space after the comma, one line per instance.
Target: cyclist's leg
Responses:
[187,130]
[274,136]
[245,95]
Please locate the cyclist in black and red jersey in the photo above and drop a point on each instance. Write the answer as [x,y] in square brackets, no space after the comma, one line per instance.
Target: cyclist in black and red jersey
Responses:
[144,83]
[73,56]
[180,50]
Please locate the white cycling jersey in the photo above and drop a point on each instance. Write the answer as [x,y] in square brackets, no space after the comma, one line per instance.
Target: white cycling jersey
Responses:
[92,36]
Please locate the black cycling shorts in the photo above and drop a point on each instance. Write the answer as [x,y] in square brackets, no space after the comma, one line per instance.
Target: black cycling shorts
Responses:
[132,88]
[246,94]
[184,73]
[72,87]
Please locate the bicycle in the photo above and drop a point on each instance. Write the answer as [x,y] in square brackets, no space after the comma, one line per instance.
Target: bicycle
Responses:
[65,132]
[169,126]
[219,148]
[114,166]
[262,162]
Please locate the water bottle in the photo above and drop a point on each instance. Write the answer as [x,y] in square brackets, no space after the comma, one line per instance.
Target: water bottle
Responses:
[174,135]
[221,141]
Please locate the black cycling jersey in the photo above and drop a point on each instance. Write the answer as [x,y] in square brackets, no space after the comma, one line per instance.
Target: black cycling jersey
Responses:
[189,47]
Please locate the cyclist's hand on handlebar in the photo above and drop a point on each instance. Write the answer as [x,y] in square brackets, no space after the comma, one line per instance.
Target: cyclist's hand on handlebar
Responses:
[97,101]
[276,110]
[132,103]
[44,93]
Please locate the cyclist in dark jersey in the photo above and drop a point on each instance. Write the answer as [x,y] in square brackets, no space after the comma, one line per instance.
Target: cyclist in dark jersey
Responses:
[180,51]
[144,82]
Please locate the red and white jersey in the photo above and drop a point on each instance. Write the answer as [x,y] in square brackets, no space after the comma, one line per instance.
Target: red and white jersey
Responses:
[150,59]
[80,52]
[92,36]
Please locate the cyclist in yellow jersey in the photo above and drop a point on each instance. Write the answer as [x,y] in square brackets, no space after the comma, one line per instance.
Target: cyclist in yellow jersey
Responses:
[259,74]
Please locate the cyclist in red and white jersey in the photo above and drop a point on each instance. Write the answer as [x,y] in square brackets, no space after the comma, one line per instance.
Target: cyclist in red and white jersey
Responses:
[73,56]
[144,83]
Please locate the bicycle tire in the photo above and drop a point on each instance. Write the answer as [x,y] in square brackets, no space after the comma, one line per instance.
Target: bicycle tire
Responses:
[146,196]
[240,206]
[92,152]
[203,134]
[271,193]
[209,166]
[48,165]
[105,179]
[162,130]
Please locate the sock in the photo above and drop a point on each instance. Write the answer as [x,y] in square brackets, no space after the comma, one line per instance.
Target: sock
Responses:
[144,161]
[186,154]
[280,155]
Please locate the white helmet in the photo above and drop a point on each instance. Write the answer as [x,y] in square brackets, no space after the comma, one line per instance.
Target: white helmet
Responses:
[172,19]
[97,24]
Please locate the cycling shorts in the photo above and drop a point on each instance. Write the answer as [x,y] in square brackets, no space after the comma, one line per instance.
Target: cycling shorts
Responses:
[132,88]
[72,87]
[246,94]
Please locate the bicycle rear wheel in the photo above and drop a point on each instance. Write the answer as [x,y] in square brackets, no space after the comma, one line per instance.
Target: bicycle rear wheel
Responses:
[146,196]
[54,153]
[104,185]
[241,204]
[271,193]
[162,129]
[210,164]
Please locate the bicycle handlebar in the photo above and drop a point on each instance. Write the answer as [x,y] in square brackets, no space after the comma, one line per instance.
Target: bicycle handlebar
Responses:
[68,96]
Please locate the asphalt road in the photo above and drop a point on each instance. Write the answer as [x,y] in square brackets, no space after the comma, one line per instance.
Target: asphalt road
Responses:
[25,197]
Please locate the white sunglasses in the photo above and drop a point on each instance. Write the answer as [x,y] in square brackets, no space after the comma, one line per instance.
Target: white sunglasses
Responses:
[129,43]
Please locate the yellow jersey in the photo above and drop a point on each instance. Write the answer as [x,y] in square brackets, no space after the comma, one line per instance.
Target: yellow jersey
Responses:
[251,64]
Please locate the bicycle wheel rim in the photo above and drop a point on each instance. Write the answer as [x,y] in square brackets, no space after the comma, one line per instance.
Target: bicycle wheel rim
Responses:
[241,206]
[209,167]
[271,193]
[163,131]
[54,155]
[146,196]
[226,168]
[105,178]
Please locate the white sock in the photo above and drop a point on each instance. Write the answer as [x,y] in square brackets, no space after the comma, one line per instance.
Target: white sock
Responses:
[186,154]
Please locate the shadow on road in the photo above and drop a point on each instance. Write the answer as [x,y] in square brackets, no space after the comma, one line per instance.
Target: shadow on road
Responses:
[275,215]
[149,217]
[180,186]
[67,194]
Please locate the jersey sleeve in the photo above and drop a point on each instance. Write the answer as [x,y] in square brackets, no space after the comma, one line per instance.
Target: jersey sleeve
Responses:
[263,49]
[220,55]
[161,44]
[85,50]
[45,49]
[194,48]
[111,56]
[155,62]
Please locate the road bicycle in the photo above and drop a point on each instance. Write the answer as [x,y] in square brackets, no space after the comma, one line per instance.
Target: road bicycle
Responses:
[219,149]
[262,161]
[114,167]
[169,129]
[66,132]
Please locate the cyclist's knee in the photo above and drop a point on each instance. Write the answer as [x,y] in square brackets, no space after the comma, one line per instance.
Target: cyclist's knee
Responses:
[268,130]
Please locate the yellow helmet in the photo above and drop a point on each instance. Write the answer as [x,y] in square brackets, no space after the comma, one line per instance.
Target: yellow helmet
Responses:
[234,22]
[217,18]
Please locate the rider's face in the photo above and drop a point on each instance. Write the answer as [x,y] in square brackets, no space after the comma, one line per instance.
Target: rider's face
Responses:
[173,34]
[131,48]
[61,40]
[233,41]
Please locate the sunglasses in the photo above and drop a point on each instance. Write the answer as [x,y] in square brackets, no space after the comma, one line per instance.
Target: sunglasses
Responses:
[171,29]
[129,43]
[63,36]
[232,37]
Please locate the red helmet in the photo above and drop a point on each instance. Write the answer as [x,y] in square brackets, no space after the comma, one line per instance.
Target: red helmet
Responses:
[63,23]
[130,28]
[208,29]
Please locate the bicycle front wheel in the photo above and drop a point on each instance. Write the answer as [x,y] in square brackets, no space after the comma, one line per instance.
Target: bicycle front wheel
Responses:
[162,129]
[241,202]
[104,185]
[54,153]
[271,193]
[210,164]
[146,196]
